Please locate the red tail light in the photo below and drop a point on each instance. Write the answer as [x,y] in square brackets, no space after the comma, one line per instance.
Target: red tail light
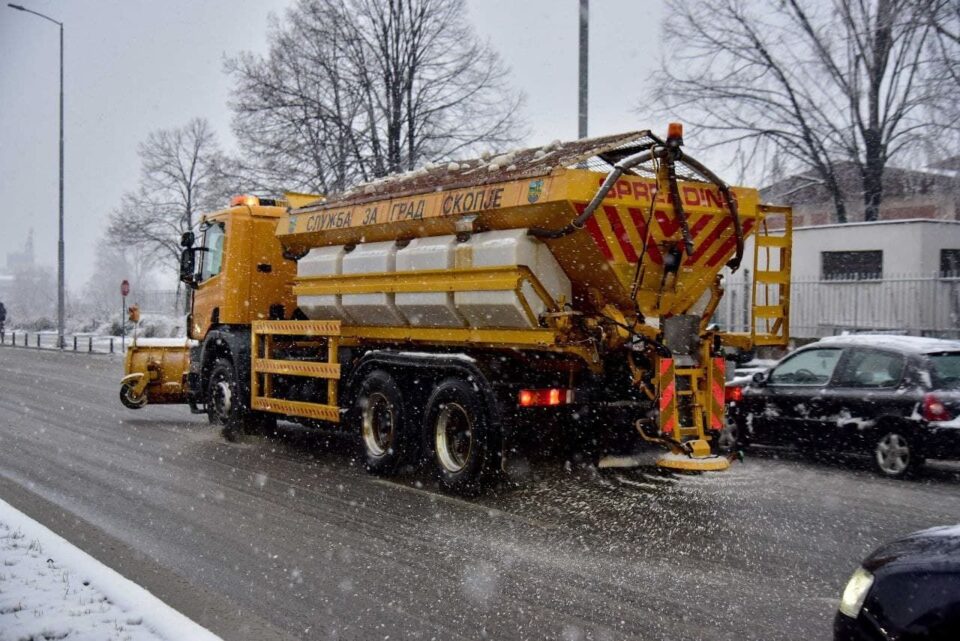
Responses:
[934,409]
[544,397]
[733,394]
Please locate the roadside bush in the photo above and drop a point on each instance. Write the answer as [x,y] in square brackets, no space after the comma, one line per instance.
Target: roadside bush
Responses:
[41,324]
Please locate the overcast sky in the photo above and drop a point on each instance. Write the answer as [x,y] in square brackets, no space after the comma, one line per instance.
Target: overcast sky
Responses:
[133,66]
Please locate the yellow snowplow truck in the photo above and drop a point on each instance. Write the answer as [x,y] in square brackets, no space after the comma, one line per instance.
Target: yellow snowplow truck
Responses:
[452,314]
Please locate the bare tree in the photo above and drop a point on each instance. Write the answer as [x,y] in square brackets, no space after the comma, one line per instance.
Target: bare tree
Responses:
[944,18]
[356,89]
[115,263]
[181,175]
[820,84]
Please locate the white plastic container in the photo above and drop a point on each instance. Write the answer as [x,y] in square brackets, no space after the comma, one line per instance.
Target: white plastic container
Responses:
[505,308]
[322,261]
[428,309]
[372,309]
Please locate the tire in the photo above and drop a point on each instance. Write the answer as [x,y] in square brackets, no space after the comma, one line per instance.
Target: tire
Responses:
[728,440]
[226,406]
[895,455]
[384,435]
[129,400]
[462,440]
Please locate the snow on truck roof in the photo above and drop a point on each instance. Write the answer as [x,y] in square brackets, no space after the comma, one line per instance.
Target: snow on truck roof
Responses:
[592,153]
[916,344]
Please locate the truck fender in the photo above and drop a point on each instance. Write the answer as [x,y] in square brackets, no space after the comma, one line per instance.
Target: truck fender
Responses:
[138,382]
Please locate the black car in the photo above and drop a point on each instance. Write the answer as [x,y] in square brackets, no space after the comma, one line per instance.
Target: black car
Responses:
[896,398]
[908,589]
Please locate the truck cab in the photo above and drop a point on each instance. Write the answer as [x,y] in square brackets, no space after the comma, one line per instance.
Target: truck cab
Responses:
[238,270]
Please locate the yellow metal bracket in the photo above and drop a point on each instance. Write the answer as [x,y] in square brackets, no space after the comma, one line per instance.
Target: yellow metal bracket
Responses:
[263,367]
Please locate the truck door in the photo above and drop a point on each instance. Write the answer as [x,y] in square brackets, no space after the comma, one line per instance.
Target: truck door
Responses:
[208,296]
[793,395]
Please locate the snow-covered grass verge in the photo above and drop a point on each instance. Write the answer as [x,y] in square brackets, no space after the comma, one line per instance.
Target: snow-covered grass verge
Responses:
[51,590]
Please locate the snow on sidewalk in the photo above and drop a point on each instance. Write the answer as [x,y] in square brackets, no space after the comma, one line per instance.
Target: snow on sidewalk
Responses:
[51,590]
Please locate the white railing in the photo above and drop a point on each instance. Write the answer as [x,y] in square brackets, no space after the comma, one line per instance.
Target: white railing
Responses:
[83,343]
[915,304]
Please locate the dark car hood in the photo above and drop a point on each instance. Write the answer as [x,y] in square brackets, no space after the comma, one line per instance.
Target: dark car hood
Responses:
[936,548]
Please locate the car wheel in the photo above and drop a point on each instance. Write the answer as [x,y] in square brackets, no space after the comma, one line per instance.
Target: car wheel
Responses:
[383,431]
[894,455]
[129,399]
[458,429]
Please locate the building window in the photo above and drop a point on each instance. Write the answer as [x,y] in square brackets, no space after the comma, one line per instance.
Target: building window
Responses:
[950,263]
[856,265]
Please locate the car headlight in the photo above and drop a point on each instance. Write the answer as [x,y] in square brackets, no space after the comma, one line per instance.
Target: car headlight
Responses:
[855,593]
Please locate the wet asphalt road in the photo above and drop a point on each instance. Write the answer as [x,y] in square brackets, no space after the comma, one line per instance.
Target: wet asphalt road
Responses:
[288,539]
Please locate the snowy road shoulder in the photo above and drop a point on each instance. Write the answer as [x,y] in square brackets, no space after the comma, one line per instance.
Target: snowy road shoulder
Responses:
[49,589]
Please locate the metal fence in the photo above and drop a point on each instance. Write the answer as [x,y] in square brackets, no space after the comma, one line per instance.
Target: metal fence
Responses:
[915,304]
[87,343]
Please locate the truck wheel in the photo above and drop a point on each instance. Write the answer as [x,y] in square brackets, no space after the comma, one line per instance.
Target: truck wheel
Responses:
[458,428]
[384,435]
[226,407]
[130,400]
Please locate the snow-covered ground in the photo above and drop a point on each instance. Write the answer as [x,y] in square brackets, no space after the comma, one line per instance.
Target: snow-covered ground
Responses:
[51,590]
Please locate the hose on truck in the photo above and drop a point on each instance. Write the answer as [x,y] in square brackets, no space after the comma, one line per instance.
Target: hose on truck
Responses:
[670,153]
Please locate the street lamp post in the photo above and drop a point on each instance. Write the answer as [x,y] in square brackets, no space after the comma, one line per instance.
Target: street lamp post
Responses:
[60,284]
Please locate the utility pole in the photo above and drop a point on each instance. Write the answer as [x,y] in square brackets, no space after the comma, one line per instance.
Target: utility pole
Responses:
[61,343]
[584,50]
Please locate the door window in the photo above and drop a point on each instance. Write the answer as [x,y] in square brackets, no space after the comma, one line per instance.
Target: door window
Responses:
[213,256]
[871,368]
[946,369]
[810,367]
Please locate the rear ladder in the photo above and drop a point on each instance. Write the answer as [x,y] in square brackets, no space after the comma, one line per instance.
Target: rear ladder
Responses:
[770,313]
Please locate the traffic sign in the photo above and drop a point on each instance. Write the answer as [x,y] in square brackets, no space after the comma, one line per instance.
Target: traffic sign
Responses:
[125,288]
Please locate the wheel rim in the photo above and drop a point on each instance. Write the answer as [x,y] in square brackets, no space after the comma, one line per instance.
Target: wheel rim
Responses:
[222,399]
[454,437]
[130,398]
[893,454]
[379,424]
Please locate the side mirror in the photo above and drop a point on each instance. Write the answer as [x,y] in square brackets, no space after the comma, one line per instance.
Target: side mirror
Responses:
[187,239]
[188,267]
[760,378]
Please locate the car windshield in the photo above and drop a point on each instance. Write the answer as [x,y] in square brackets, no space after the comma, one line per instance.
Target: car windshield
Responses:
[945,368]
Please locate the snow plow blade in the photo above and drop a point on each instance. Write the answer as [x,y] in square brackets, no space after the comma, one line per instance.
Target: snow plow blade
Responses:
[155,371]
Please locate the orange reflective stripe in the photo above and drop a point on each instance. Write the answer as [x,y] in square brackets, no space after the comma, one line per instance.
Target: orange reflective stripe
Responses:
[718,403]
[666,364]
[669,425]
[667,384]
[666,396]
